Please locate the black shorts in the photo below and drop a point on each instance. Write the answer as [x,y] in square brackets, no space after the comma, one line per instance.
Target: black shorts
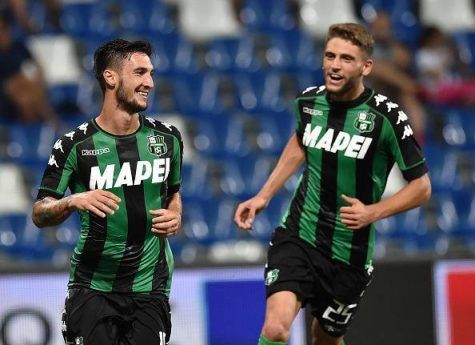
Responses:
[332,288]
[98,318]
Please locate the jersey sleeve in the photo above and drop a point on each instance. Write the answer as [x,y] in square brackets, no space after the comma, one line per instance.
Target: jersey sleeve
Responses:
[299,128]
[59,170]
[174,179]
[403,147]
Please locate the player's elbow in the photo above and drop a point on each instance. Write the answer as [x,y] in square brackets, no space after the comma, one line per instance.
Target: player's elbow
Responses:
[425,189]
[36,216]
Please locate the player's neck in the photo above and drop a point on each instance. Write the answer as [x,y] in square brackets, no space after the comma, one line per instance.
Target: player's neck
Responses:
[117,122]
[350,95]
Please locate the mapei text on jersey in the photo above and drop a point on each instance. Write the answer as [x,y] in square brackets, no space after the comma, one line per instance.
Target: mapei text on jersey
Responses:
[158,171]
[355,146]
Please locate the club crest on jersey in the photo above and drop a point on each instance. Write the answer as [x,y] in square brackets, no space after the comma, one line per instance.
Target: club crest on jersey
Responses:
[157,145]
[272,276]
[364,122]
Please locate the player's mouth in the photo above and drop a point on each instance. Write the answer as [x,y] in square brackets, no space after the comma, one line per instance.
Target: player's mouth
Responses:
[144,94]
[334,78]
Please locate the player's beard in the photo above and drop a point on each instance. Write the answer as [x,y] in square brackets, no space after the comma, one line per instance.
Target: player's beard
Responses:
[347,87]
[129,104]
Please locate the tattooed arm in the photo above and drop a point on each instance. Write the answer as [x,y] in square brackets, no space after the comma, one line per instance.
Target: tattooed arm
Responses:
[50,211]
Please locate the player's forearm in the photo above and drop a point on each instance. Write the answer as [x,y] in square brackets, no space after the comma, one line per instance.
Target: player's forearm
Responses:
[289,162]
[50,211]
[414,194]
[174,203]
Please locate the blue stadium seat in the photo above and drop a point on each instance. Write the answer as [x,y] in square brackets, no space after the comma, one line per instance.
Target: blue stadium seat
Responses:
[258,16]
[30,143]
[222,54]
[145,17]
[208,221]
[404,17]
[64,98]
[251,52]
[87,19]
[9,235]
[465,42]
[210,178]
[307,52]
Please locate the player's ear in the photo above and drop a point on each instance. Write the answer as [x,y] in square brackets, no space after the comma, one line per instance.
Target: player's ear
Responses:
[111,78]
[367,67]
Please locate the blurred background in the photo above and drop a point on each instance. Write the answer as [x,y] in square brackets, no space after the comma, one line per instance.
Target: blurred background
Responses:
[226,74]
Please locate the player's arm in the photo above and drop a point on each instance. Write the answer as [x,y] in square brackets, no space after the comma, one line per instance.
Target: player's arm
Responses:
[358,215]
[289,162]
[49,211]
[167,221]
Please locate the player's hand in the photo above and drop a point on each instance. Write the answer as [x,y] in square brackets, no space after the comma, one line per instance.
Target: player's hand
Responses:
[247,210]
[100,202]
[357,215]
[165,223]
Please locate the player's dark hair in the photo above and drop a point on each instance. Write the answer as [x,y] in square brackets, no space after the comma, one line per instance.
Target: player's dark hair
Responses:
[355,33]
[111,54]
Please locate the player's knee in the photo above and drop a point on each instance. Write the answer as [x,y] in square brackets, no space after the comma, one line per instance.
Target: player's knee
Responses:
[275,330]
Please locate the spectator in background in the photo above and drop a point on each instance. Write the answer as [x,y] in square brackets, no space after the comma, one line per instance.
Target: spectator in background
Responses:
[391,72]
[444,76]
[17,9]
[22,88]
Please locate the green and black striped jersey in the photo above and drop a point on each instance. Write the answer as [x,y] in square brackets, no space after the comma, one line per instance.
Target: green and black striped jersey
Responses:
[350,147]
[119,253]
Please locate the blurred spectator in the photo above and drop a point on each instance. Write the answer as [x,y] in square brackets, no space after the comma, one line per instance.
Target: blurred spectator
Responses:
[391,72]
[22,86]
[446,79]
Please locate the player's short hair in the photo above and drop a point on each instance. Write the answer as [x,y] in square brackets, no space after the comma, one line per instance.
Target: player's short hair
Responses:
[112,54]
[355,33]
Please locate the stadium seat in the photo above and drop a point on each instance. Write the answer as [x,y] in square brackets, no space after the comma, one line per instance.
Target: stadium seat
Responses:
[213,177]
[30,143]
[304,52]
[318,15]
[88,19]
[257,16]
[465,42]
[449,16]
[404,17]
[222,54]
[194,23]
[145,17]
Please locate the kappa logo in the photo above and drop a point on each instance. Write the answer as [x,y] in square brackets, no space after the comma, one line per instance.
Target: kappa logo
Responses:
[314,112]
[58,145]
[96,152]
[272,276]
[364,122]
[79,341]
[157,145]
[52,161]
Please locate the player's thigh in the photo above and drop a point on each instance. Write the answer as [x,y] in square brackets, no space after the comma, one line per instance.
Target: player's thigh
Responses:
[88,319]
[151,322]
[282,307]
[320,337]
[339,290]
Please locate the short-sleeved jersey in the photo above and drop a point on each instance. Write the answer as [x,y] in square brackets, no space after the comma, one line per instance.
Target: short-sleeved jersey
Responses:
[350,147]
[119,253]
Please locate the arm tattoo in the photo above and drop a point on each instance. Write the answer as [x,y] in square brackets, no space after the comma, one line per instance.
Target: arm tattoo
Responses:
[50,211]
